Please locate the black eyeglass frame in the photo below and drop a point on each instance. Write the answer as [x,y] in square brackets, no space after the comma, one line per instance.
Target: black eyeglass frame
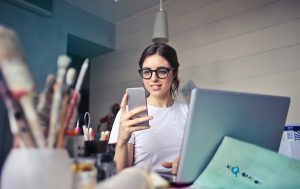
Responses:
[168,69]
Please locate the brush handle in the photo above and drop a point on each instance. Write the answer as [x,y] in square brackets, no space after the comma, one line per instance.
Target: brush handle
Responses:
[63,62]
[21,87]
[18,80]
[81,75]
[44,96]
[33,120]
[71,107]
[18,125]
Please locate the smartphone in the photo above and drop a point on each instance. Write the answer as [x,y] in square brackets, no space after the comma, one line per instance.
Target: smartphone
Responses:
[137,98]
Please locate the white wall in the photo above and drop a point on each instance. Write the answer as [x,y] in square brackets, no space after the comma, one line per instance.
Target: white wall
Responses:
[241,45]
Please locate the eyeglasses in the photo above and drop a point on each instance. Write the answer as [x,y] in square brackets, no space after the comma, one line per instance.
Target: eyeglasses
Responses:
[161,73]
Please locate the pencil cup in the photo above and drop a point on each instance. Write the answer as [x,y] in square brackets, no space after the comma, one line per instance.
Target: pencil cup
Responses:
[92,148]
[75,145]
[37,169]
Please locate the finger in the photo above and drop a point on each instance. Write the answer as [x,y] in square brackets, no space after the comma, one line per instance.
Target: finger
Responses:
[174,167]
[138,128]
[123,103]
[166,164]
[136,111]
[134,122]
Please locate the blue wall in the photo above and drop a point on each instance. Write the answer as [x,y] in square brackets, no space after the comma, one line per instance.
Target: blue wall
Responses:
[45,37]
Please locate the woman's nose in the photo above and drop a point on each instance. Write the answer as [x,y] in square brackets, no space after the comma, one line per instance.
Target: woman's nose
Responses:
[154,77]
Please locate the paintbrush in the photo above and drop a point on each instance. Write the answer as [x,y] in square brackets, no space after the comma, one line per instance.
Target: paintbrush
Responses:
[70,80]
[62,63]
[18,80]
[17,122]
[45,101]
[74,99]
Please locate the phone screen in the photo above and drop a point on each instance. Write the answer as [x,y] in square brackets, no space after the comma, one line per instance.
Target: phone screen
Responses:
[137,98]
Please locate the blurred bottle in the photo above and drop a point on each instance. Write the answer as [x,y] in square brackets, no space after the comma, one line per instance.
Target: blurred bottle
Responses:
[105,165]
[85,174]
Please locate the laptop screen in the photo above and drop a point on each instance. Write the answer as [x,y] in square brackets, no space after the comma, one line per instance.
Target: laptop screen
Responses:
[213,114]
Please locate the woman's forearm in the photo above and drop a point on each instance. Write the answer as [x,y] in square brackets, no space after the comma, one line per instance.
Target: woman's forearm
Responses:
[122,157]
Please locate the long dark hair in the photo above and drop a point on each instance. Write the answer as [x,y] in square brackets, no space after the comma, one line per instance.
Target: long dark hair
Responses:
[168,53]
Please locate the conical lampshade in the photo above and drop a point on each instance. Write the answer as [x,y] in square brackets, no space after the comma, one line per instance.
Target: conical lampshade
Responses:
[160,30]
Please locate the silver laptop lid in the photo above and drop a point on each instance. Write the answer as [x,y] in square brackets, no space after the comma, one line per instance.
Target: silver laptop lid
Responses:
[213,114]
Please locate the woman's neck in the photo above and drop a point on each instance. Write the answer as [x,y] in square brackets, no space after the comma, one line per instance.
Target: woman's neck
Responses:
[160,102]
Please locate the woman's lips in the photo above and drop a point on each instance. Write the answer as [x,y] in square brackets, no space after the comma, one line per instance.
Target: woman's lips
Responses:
[155,87]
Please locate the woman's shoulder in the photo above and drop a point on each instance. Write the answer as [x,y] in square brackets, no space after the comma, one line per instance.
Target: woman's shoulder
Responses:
[181,105]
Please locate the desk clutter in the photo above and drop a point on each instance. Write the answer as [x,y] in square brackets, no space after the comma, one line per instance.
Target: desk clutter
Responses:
[86,140]
[290,142]
[44,126]
[40,123]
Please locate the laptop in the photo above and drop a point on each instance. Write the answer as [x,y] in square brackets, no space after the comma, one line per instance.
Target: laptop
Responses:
[213,114]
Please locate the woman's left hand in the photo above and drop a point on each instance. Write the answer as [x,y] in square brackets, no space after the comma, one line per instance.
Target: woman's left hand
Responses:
[173,165]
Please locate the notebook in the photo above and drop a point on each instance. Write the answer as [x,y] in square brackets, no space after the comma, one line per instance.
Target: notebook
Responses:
[213,114]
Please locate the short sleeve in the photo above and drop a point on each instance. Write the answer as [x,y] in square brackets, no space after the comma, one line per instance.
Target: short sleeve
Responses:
[115,129]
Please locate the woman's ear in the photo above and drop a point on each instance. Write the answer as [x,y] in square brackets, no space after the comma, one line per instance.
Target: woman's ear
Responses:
[175,74]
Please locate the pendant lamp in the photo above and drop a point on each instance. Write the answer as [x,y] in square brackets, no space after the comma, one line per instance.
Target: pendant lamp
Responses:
[160,30]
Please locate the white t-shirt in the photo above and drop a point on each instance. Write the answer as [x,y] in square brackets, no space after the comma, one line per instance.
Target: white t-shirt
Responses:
[162,141]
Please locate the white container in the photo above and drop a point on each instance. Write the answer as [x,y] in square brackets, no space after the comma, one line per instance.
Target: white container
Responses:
[37,169]
[290,142]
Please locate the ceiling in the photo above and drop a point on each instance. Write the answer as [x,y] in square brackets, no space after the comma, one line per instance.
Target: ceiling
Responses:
[114,10]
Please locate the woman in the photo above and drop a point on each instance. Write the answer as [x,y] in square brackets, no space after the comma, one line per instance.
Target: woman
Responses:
[159,144]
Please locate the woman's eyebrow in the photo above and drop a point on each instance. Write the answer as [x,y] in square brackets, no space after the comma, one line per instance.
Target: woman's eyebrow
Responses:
[163,67]
[157,67]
